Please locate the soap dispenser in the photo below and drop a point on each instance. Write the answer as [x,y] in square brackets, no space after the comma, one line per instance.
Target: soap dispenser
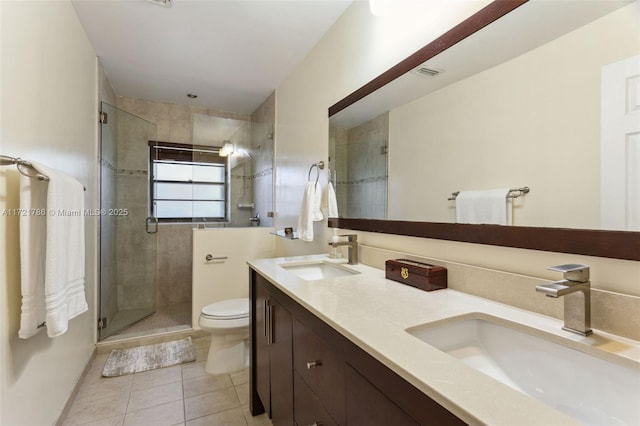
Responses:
[334,252]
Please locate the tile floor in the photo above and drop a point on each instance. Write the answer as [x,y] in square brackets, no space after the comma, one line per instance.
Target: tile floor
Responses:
[178,395]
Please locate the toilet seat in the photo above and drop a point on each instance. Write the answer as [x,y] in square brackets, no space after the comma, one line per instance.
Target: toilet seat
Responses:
[231,309]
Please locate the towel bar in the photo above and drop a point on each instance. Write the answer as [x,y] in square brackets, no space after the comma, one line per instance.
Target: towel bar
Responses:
[319,166]
[513,193]
[5,160]
[21,164]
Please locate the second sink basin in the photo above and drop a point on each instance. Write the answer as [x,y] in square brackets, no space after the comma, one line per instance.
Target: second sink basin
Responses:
[589,389]
[318,270]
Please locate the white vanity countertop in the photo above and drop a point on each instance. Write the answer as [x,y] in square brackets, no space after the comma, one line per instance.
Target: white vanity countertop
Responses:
[374,313]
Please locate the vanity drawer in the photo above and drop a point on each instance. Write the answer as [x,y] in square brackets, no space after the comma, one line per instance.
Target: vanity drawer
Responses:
[321,368]
[307,408]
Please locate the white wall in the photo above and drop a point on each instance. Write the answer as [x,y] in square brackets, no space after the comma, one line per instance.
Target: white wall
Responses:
[354,51]
[229,278]
[48,115]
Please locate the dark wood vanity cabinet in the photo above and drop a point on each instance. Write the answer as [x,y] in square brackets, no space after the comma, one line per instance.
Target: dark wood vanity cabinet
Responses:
[303,372]
[368,405]
[271,333]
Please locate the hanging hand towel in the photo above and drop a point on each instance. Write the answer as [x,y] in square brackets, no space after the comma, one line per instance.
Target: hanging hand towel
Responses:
[64,272]
[310,211]
[33,229]
[486,207]
[329,202]
[53,255]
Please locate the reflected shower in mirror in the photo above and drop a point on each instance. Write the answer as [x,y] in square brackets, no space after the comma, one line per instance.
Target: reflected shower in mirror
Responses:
[516,104]
[358,163]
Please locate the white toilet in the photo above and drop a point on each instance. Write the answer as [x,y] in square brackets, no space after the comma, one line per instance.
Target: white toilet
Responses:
[228,323]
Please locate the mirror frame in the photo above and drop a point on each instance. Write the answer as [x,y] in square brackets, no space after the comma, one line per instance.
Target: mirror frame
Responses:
[601,243]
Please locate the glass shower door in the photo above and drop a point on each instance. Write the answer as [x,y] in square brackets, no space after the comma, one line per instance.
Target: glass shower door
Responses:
[128,243]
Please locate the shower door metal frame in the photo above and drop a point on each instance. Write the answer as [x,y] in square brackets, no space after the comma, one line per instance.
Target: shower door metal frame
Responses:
[112,319]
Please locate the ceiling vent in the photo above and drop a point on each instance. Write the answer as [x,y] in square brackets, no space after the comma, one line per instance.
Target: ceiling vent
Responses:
[164,3]
[429,72]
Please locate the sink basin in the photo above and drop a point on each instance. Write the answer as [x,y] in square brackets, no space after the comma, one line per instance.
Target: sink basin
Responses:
[318,270]
[589,389]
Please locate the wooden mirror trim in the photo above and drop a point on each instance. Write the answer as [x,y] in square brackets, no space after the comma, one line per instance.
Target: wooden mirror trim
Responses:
[611,244]
[471,25]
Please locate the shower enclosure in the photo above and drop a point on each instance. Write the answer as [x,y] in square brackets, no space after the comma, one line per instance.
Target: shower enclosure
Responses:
[159,182]
[128,242]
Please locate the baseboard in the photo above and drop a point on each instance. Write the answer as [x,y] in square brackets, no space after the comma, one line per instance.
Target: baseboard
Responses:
[76,389]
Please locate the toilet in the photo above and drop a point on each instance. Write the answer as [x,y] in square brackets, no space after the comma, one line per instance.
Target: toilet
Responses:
[228,323]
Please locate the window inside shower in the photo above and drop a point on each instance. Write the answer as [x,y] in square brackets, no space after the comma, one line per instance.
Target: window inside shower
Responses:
[188,183]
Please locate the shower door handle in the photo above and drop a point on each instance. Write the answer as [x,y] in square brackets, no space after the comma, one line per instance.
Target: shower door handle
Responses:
[151,225]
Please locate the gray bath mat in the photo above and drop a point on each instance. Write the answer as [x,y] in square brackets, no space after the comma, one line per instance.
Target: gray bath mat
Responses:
[143,358]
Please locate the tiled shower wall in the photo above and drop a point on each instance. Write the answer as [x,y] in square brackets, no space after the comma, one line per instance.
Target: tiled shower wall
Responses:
[360,160]
[136,249]
[174,241]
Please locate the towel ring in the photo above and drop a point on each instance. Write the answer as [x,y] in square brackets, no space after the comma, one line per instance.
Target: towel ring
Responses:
[319,166]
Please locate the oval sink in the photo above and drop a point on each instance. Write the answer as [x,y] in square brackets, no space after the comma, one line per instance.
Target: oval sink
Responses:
[318,270]
[587,388]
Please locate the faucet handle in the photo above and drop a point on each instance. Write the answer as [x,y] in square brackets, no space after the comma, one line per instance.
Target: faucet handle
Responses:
[573,272]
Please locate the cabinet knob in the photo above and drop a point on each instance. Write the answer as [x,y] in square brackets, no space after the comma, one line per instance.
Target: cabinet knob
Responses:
[312,364]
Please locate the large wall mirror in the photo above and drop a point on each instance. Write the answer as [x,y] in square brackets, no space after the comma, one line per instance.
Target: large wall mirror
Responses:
[538,94]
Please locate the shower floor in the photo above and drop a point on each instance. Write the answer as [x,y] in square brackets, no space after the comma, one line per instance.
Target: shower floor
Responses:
[165,319]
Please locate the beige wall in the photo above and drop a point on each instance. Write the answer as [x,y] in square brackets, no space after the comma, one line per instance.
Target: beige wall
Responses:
[49,115]
[534,119]
[228,278]
[341,62]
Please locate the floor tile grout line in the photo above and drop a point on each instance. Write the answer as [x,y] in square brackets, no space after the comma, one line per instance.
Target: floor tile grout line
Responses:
[182,379]
[184,403]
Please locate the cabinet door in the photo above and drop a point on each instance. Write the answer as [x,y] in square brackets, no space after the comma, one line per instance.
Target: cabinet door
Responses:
[367,405]
[321,367]
[281,351]
[308,409]
[261,347]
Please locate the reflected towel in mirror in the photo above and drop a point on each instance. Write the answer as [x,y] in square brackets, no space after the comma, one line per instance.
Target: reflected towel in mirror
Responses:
[484,207]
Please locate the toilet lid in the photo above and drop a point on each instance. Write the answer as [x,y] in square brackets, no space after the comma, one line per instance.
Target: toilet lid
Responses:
[228,309]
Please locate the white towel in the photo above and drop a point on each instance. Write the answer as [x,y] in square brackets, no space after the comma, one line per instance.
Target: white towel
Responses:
[310,211]
[329,202]
[488,207]
[33,231]
[57,255]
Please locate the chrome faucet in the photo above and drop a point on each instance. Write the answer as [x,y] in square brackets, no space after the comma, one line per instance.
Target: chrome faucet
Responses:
[352,242]
[576,290]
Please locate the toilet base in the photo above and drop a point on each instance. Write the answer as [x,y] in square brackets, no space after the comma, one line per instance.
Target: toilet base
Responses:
[227,357]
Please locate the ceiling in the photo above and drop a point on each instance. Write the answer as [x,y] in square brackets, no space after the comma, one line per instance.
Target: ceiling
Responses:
[231,53]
